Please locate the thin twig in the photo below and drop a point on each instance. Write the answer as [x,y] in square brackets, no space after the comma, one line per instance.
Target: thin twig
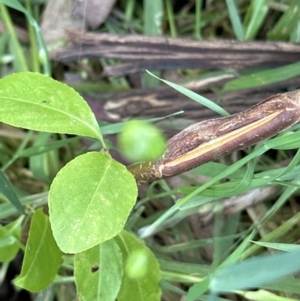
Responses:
[207,140]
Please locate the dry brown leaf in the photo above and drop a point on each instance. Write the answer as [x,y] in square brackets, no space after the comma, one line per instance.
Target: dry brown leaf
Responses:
[94,12]
[57,18]
[62,15]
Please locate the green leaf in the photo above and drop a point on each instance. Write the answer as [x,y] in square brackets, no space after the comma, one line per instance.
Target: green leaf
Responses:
[287,22]
[194,96]
[257,12]
[9,240]
[235,20]
[288,284]
[153,14]
[245,274]
[89,201]
[42,257]
[265,77]
[142,272]
[279,246]
[198,289]
[37,102]
[98,272]
[14,4]
[8,192]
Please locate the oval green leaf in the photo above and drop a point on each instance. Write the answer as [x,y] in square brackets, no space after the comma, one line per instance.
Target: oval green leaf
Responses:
[98,272]
[42,256]
[37,102]
[142,272]
[89,201]
[9,240]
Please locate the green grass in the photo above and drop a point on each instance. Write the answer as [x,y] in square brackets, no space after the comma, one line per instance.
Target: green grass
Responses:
[197,238]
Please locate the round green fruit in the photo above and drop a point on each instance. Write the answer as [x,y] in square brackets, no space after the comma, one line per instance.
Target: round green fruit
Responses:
[141,141]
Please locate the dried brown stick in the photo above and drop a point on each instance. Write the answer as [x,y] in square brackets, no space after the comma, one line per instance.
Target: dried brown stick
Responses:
[160,101]
[207,140]
[163,53]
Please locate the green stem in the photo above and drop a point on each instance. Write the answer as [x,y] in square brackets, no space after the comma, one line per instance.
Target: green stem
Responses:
[20,58]
[170,14]
[33,41]
[197,31]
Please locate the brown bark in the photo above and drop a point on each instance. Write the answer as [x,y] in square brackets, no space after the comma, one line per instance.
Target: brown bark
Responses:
[139,53]
[207,140]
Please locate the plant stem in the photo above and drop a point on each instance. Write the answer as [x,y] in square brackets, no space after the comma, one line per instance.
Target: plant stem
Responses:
[207,140]
[20,58]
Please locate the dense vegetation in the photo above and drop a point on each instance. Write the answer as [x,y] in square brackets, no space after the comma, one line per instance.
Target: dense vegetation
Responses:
[74,223]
